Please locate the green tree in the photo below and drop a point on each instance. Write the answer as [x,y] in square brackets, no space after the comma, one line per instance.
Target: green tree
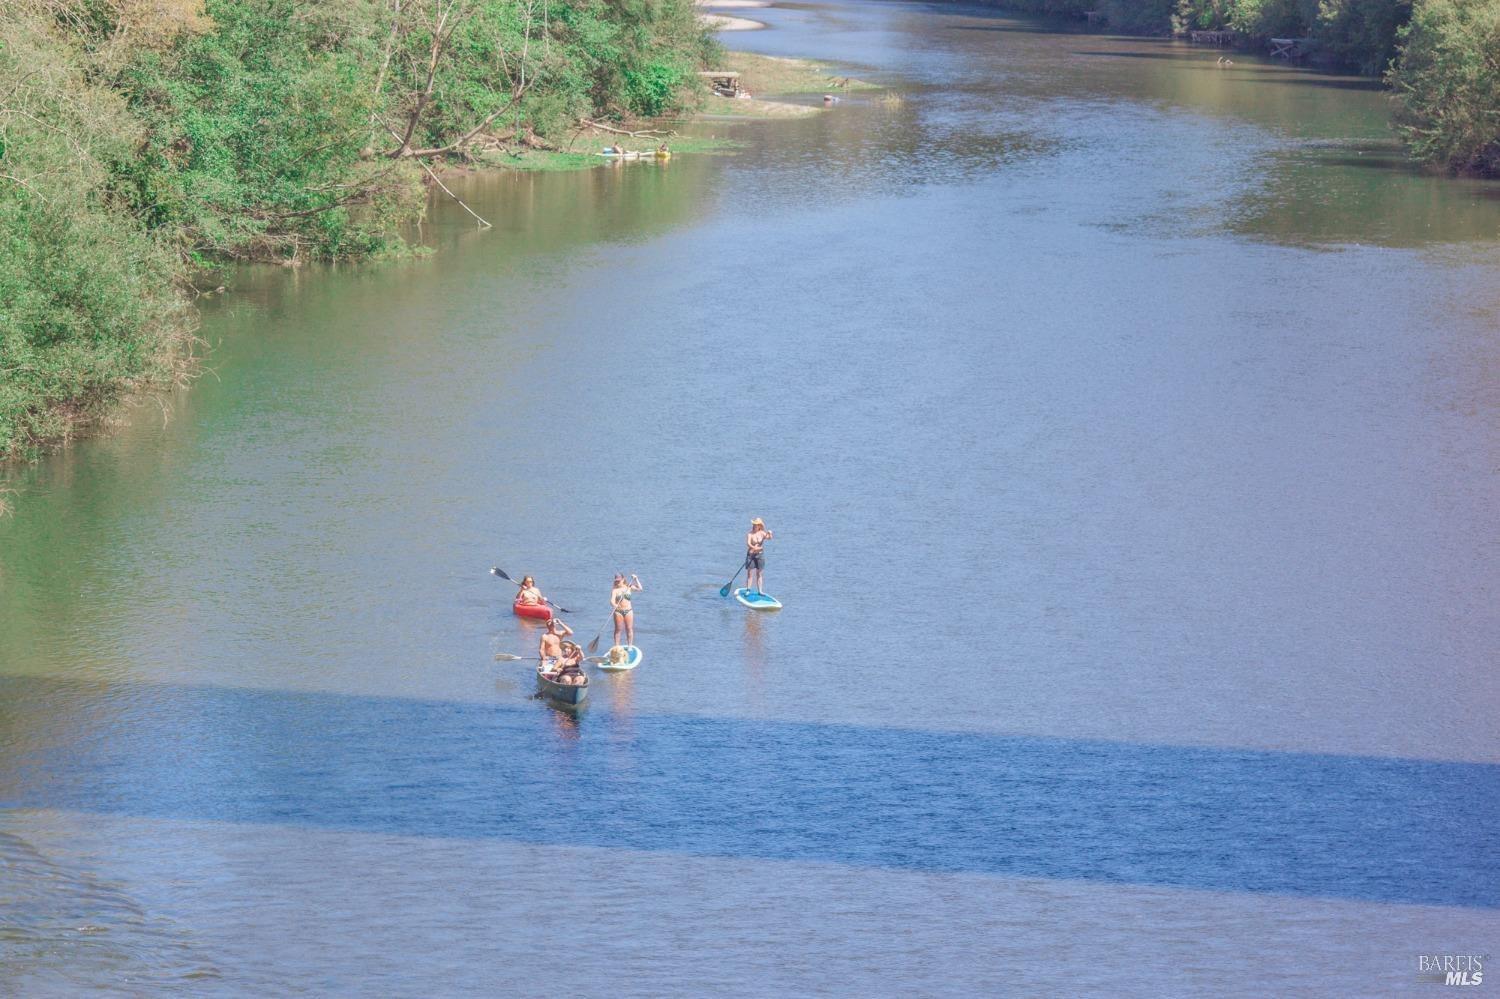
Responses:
[88,299]
[1447,84]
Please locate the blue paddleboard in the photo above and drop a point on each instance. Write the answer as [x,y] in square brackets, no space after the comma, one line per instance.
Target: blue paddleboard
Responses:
[632,659]
[757,600]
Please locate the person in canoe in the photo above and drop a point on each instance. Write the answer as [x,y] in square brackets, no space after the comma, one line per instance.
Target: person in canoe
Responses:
[624,613]
[529,595]
[755,555]
[552,639]
[569,667]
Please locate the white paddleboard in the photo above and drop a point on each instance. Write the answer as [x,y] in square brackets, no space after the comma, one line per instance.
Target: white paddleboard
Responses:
[757,600]
[632,659]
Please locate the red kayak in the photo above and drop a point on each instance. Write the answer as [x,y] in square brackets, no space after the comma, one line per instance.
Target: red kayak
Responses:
[540,612]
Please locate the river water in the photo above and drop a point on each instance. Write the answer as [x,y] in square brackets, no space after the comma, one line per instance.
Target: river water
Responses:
[1130,428]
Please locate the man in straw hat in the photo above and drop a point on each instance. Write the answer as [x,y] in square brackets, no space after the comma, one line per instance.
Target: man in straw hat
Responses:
[755,555]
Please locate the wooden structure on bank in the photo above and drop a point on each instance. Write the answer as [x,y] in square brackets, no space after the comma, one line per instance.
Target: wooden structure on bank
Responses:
[1096,18]
[724,82]
[1223,39]
[1289,48]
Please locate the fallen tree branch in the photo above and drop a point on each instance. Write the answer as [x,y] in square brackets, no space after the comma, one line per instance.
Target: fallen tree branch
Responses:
[645,133]
[482,221]
[455,197]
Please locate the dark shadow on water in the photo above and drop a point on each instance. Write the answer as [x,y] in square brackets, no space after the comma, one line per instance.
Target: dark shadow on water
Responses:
[1328,82]
[1389,830]
[1011,27]
[1243,68]
[1184,56]
[1386,162]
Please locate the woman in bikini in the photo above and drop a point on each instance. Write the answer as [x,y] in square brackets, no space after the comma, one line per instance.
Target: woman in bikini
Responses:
[529,594]
[624,614]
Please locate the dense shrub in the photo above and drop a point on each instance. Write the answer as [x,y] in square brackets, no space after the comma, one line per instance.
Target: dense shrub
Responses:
[1447,84]
[88,302]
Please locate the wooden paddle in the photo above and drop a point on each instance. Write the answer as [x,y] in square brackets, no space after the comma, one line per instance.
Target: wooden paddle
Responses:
[497,571]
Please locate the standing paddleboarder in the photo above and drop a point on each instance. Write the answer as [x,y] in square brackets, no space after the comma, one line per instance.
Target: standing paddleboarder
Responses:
[623,615]
[755,555]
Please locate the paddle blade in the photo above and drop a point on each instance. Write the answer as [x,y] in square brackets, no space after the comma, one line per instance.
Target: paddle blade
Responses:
[724,590]
[506,657]
[594,645]
[497,571]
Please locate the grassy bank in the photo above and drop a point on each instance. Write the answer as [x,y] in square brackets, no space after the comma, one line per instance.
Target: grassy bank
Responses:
[142,141]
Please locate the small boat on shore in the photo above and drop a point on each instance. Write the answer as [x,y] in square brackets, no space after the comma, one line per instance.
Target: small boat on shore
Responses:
[537,612]
[572,694]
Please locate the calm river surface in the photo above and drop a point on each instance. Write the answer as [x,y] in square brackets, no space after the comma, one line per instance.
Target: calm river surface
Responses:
[1130,428]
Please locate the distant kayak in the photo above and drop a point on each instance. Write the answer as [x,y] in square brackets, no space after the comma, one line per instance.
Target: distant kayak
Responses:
[538,612]
[627,155]
[757,600]
[622,657]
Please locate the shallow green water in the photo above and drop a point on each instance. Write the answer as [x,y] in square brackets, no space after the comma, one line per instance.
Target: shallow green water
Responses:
[1129,430]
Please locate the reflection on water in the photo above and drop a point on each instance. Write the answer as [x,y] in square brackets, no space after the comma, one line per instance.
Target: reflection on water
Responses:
[566,721]
[1128,428]
[619,688]
[755,662]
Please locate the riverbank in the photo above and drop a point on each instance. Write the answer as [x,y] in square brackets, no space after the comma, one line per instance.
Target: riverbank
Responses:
[142,145]
[765,78]
[124,323]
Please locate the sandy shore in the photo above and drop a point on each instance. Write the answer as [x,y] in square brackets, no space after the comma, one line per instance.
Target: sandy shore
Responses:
[727,22]
[723,22]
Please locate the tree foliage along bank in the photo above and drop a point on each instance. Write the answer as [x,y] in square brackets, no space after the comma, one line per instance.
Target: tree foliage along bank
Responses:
[142,138]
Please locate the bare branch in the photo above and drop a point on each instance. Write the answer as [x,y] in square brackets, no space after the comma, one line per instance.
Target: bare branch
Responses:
[26,187]
[455,197]
[645,133]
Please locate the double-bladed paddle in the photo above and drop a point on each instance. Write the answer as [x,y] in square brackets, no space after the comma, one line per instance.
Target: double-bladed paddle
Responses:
[497,571]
